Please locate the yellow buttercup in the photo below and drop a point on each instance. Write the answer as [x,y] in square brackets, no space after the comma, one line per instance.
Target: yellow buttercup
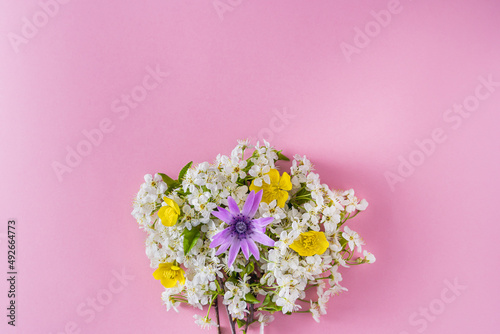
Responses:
[277,190]
[310,243]
[169,274]
[169,213]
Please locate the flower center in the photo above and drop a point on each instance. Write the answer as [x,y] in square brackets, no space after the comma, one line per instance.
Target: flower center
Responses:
[272,190]
[169,274]
[240,227]
[308,242]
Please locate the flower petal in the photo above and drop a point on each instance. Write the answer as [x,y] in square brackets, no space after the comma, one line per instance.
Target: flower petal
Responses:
[282,197]
[223,247]
[262,238]
[158,273]
[220,238]
[274,175]
[173,204]
[233,207]
[248,204]
[235,248]
[168,282]
[263,221]
[254,187]
[285,182]
[223,215]
[244,247]
[182,279]
[256,202]
[253,249]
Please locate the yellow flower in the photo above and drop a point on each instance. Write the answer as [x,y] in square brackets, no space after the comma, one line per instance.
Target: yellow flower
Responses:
[310,243]
[277,190]
[169,274]
[169,213]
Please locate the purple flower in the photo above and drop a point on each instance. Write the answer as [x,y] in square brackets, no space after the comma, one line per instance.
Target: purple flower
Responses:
[243,230]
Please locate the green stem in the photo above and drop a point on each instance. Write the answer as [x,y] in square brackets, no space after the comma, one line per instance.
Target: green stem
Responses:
[211,302]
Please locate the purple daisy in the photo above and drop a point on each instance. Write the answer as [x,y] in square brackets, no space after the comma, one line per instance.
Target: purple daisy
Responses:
[243,230]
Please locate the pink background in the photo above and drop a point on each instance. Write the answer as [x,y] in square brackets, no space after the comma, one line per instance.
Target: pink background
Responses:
[229,76]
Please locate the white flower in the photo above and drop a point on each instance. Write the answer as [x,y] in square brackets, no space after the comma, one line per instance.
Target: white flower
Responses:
[166,297]
[238,151]
[351,202]
[243,285]
[286,238]
[238,193]
[322,302]
[238,309]
[272,210]
[264,320]
[311,266]
[352,238]
[301,167]
[368,257]
[311,213]
[335,290]
[232,291]
[314,309]
[204,322]
[330,219]
[260,174]
[287,305]
[335,276]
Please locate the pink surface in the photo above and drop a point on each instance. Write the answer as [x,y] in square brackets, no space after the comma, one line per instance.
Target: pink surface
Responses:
[357,114]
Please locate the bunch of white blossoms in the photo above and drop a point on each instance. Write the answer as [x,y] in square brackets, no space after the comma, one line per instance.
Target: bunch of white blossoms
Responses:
[240,229]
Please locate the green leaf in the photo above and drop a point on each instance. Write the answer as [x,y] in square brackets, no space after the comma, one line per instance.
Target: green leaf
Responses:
[249,268]
[250,298]
[190,238]
[342,241]
[240,322]
[269,305]
[282,156]
[267,300]
[171,183]
[183,171]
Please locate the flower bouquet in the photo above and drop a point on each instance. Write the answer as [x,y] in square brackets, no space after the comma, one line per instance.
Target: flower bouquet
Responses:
[240,231]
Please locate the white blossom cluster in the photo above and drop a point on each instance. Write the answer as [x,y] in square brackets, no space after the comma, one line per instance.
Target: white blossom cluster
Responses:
[279,280]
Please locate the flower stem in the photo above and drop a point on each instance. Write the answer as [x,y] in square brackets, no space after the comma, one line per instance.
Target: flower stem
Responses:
[231,321]
[216,306]
[211,303]
[249,317]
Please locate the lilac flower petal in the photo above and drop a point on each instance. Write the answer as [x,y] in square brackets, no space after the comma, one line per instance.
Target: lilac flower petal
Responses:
[262,238]
[264,221]
[223,248]
[256,202]
[235,248]
[220,237]
[223,214]
[253,248]
[248,204]
[233,207]
[244,247]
